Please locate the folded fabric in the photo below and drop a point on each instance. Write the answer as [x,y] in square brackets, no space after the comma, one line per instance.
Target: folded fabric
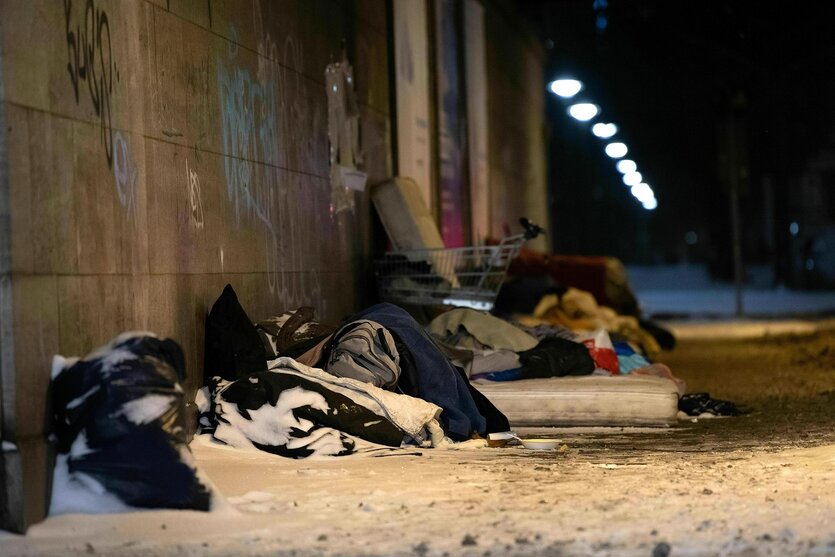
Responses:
[364,350]
[486,361]
[293,417]
[479,361]
[298,411]
[628,357]
[410,414]
[631,362]
[488,330]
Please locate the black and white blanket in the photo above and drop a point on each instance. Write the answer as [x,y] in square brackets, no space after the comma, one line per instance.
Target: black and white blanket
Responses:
[297,411]
[119,422]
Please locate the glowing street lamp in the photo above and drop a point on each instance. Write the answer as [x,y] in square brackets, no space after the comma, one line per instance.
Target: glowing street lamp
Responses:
[626,166]
[632,178]
[583,111]
[604,131]
[616,150]
[565,88]
[642,192]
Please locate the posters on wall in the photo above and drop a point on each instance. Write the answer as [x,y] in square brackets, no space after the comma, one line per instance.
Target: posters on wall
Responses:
[459,195]
[414,149]
[477,129]
[343,136]
[454,210]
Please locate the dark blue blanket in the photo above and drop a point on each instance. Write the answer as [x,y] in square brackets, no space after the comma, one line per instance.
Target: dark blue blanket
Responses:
[436,380]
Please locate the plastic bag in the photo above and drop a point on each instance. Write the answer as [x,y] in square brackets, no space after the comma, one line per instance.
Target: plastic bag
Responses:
[601,350]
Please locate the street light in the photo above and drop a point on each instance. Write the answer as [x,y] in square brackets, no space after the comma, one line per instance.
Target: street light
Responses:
[604,131]
[565,88]
[583,111]
[616,150]
[626,166]
[642,192]
[632,178]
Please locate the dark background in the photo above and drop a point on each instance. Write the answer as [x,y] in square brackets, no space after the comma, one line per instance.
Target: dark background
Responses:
[673,76]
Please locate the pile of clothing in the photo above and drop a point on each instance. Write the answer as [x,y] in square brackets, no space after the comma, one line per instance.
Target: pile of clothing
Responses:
[119,423]
[297,387]
[618,344]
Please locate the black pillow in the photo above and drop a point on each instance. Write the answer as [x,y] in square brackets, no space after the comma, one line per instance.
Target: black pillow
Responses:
[556,357]
[233,347]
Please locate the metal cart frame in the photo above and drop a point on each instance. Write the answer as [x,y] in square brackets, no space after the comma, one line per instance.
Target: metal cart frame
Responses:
[468,277]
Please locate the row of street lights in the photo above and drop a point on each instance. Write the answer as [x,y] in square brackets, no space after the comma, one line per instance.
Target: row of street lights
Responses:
[586,112]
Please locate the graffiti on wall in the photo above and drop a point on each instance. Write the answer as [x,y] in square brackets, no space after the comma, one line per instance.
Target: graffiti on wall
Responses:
[249,131]
[92,72]
[255,114]
[90,62]
[124,174]
[193,213]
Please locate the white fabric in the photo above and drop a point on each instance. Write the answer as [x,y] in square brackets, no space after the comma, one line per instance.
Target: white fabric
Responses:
[412,415]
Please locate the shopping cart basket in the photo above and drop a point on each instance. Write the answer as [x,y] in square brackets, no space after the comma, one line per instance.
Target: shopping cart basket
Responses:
[468,276]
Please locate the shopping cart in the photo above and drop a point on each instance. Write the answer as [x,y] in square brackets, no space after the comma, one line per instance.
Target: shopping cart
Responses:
[469,276]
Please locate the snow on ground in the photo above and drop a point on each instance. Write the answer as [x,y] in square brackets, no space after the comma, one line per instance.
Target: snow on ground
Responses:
[744,328]
[694,307]
[504,501]
[631,491]
[721,302]
[687,290]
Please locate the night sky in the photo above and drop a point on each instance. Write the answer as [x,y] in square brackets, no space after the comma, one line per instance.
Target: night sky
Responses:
[671,75]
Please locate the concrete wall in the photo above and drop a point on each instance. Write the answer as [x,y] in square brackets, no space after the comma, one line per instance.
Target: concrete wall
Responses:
[157,150]
[153,150]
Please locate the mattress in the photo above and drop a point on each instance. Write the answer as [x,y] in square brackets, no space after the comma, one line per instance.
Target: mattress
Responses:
[405,216]
[584,401]
[410,225]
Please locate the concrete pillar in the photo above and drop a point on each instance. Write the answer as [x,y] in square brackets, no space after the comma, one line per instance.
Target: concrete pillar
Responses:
[24,453]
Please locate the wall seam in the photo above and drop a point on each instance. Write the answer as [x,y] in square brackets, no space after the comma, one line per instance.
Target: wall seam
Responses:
[6,292]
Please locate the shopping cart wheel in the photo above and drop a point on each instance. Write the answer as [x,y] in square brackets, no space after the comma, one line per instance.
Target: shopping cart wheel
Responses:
[532,230]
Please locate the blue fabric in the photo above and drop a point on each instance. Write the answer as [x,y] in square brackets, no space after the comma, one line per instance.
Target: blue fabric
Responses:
[437,380]
[628,363]
[504,375]
[628,358]
[623,349]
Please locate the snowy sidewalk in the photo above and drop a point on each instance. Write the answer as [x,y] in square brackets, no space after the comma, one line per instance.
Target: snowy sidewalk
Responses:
[721,302]
[581,500]
[737,329]
[693,307]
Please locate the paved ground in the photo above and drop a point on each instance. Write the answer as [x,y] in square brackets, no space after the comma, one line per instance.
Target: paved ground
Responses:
[761,484]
